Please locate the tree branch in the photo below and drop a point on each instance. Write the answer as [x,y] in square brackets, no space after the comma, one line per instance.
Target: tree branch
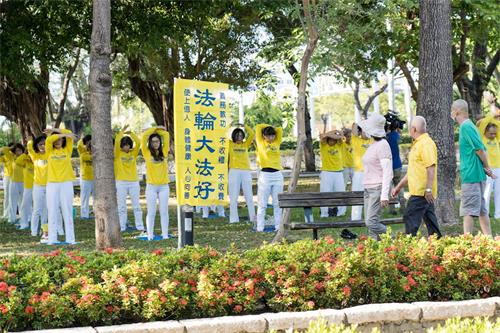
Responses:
[492,66]
[64,91]
[372,97]
[409,78]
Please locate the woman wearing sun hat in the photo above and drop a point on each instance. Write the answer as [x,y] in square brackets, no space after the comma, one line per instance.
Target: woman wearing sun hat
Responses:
[377,175]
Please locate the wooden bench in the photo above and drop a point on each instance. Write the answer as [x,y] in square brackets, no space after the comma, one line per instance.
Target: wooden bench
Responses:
[307,200]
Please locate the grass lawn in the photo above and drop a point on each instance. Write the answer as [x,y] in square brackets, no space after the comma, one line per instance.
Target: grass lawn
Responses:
[216,232]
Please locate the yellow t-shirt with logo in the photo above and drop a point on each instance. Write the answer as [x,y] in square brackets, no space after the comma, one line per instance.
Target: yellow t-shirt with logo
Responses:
[40,164]
[359,146]
[24,161]
[125,163]
[238,153]
[423,154]
[156,171]
[17,175]
[86,168]
[268,154]
[347,154]
[7,158]
[59,160]
[492,145]
[331,156]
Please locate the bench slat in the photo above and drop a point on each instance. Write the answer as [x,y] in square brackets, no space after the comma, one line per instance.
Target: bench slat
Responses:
[320,195]
[348,224]
[320,202]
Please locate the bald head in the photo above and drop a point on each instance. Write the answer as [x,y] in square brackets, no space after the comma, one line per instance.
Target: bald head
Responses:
[419,124]
[460,107]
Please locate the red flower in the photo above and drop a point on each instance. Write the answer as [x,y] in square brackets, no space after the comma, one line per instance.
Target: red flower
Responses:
[329,240]
[438,268]
[363,238]
[230,301]
[213,253]
[238,308]
[310,304]
[2,275]
[44,295]
[347,291]
[3,287]
[108,250]
[411,281]
[29,309]
[182,302]
[110,308]
[339,249]
[407,287]
[3,309]
[361,248]
[158,252]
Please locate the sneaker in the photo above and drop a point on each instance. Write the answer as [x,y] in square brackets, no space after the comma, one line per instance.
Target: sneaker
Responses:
[347,234]
[143,234]
[44,240]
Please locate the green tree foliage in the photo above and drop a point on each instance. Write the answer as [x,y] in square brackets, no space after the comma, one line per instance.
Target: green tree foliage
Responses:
[265,111]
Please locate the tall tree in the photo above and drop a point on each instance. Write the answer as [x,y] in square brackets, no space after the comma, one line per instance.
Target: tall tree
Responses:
[310,10]
[107,228]
[435,97]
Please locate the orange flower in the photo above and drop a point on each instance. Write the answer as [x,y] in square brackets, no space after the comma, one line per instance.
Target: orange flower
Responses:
[407,287]
[347,291]
[29,309]
[238,308]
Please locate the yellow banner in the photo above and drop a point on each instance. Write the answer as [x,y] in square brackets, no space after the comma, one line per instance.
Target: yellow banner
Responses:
[201,122]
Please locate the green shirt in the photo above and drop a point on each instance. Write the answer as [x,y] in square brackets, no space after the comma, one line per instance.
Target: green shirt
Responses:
[471,167]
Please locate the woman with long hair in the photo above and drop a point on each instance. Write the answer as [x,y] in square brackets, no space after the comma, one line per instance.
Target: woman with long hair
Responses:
[155,145]
[17,182]
[84,148]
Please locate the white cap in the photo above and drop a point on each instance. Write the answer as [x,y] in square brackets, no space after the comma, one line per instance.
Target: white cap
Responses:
[374,126]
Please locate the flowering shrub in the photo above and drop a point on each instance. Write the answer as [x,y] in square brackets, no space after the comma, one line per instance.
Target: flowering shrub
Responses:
[63,289]
[454,325]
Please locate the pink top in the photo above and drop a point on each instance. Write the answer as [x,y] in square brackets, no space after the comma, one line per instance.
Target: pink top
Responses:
[377,162]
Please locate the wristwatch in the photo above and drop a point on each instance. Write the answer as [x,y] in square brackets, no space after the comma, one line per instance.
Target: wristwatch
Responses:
[428,190]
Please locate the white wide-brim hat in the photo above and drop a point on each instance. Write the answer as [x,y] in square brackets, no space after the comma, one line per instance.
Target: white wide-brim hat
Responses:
[374,126]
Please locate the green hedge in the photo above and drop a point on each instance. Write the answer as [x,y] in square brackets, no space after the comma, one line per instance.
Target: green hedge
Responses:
[63,289]
[454,325]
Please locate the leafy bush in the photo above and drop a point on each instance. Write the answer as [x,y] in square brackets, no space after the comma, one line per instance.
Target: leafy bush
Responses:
[61,289]
[454,325]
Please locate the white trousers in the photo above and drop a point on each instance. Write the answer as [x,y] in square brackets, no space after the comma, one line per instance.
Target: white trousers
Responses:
[205,210]
[154,194]
[357,185]
[348,174]
[39,215]
[86,190]
[269,183]
[26,208]
[124,188]
[60,199]
[332,182]
[6,195]
[240,179]
[15,198]
[493,185]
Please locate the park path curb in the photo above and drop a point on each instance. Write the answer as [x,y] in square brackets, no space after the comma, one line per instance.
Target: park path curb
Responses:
[390,317]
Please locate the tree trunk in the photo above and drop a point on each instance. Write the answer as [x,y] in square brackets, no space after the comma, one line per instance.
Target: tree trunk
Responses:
[27,105]
[308,148]
[435,97]
[313,37]
[159,102]
[107,228]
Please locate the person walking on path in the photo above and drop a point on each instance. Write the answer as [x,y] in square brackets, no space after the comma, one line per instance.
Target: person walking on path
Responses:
[421,178]
[474,168]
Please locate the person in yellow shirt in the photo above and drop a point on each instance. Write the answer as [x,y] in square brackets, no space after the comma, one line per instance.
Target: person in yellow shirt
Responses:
[347,155]
[36,150]
[359,142]
[60,177]
[7,172]
[490,135]
[332,166]
[270,182]
[155,145]
[421,178]
[25,162]
[127,145]
[84,148]
[240,174]
[16,181]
